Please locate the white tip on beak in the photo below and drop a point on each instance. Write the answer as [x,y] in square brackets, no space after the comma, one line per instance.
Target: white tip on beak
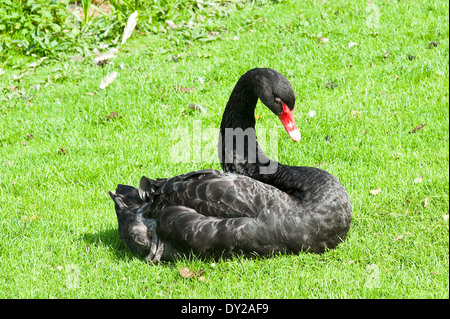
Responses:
[295,135]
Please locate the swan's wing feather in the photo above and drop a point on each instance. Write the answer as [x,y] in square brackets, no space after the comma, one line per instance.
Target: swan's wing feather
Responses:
[209,193]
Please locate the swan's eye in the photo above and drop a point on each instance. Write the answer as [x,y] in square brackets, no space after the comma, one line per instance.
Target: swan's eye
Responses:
[278,99]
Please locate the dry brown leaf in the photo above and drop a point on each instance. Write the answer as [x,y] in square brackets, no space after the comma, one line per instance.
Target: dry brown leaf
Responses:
[63,150]
[187,90]
[426,201]
[356,113]
[186,273]
[375,191]
[417,128]
[112,115]
[398,237]
[324,40]
[86,248]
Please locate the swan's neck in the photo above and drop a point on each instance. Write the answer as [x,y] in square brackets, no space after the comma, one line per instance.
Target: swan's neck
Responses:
[239,151]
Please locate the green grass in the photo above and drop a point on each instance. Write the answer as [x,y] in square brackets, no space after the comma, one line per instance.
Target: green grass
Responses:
[59,231]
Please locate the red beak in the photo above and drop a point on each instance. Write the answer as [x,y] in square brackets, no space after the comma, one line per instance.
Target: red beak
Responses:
[287,118]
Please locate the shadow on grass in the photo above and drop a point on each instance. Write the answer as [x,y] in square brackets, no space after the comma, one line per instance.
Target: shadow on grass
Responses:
[109,238]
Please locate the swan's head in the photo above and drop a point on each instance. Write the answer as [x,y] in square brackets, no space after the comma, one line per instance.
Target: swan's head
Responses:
[276,92]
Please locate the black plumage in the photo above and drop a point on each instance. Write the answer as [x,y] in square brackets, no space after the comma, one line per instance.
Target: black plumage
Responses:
[255,207]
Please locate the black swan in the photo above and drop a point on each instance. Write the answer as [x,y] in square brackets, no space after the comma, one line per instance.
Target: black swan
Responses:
[257,206]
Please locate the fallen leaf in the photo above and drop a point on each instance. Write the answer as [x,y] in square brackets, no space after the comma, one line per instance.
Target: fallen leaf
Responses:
[356,113]
[107,80]
[372,65]
[186,273]
[90,93]
[324,40]
[171,24]
[112,115]
[86,248]
[426,201]
[30,136]
[417,128]
[187,90]
[418,180]
[12,88]
[398,237]
[376,191]
[63,150]
[197,107]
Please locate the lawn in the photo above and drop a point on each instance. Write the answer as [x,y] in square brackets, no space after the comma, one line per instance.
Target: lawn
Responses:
[375,76]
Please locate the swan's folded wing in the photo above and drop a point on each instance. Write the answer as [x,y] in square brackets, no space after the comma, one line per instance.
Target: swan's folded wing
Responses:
[209,193]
